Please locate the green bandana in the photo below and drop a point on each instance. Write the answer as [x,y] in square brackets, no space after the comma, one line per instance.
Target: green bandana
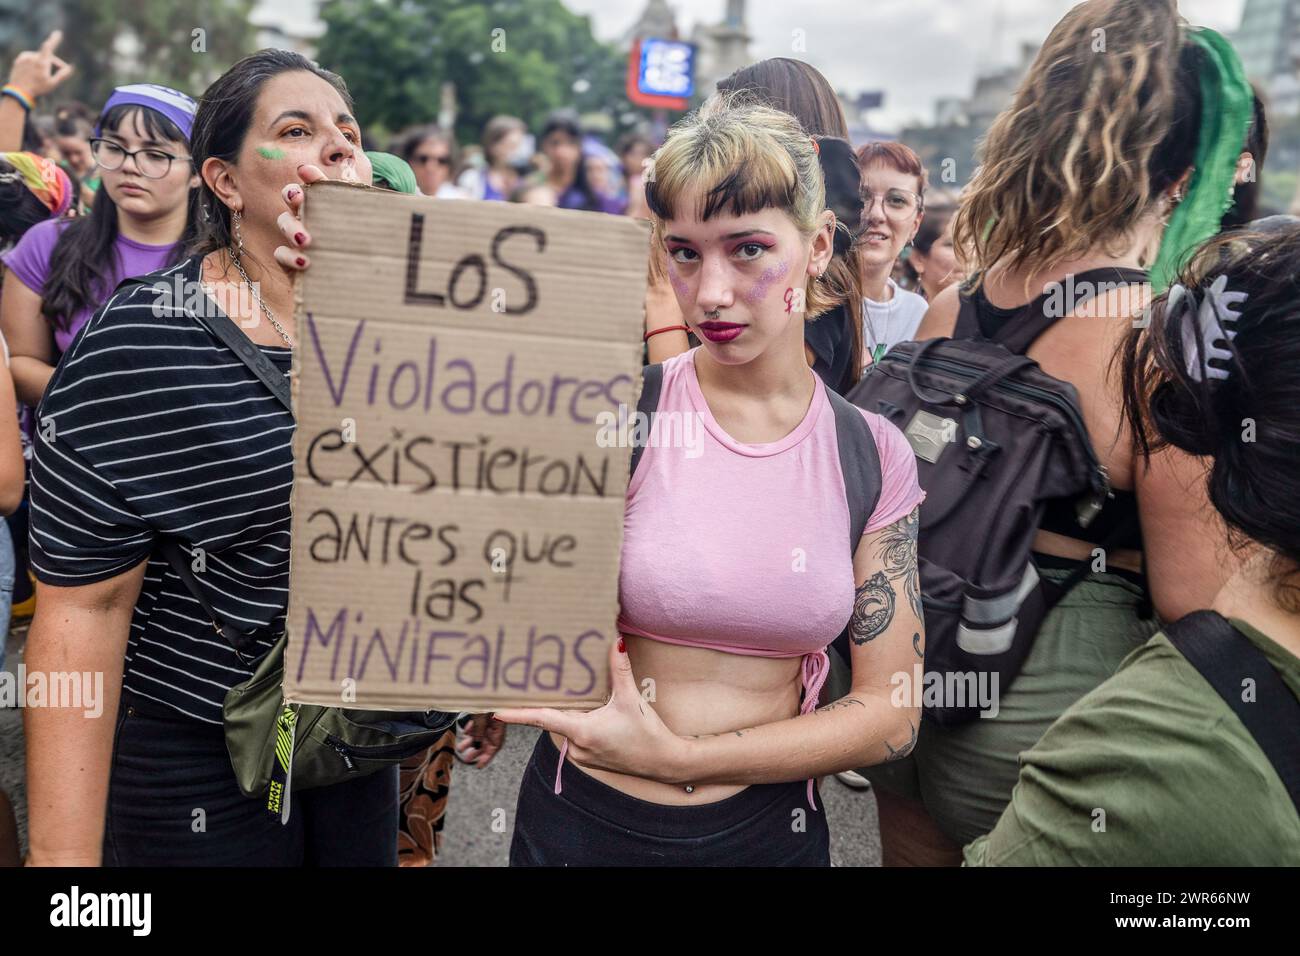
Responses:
[392,172]
[1226,111]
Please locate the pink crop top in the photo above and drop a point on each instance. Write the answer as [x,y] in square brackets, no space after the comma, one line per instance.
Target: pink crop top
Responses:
[745,548]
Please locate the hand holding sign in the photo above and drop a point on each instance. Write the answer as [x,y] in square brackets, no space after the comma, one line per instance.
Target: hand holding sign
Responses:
[624,736]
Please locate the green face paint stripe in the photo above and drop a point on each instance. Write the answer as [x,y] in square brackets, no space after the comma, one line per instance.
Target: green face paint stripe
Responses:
[269,153]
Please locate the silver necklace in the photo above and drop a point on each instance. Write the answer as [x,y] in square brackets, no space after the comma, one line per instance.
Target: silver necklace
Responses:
[258,299]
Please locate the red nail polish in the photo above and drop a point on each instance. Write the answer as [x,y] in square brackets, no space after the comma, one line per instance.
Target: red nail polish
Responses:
[299,237]
[301,261]
[622,646]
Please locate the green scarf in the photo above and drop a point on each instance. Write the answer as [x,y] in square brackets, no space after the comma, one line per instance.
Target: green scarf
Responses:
[1226,112]
[393,172]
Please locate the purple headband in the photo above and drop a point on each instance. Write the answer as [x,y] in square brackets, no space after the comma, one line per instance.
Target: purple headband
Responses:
[173,104]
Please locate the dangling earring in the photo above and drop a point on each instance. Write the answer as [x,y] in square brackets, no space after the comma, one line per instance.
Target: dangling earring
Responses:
[235,219]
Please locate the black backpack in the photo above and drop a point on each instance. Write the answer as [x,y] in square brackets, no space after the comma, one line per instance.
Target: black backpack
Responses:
[859,458]
[995,438]
[1225,658]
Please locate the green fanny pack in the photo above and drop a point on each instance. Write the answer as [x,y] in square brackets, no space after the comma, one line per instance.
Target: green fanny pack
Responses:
[274,745]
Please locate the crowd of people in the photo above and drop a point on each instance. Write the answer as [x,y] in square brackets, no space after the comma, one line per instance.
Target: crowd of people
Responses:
[788,268]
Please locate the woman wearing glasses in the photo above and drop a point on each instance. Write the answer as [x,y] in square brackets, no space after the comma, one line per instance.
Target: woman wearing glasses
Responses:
[141,220]
[893,193]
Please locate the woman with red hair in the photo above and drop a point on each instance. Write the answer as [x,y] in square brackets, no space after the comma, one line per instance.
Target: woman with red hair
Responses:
[893,194]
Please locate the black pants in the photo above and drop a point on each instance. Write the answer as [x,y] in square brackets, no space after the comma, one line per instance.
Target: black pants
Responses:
[591,824]
[173,801]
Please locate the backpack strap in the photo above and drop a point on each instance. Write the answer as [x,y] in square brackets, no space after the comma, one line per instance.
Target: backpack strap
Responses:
[968,320]
[230,335]
[1225,657]
[859,461]
[1017,336]
[652,383]
[242,641]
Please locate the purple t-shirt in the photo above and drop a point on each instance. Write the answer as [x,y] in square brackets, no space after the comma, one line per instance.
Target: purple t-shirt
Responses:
[29,261]
[572,198]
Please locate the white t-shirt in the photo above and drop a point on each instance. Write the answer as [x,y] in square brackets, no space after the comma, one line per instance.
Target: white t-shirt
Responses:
[885,324]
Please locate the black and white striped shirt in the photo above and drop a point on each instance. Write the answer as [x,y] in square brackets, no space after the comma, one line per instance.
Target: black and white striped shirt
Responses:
[151,427]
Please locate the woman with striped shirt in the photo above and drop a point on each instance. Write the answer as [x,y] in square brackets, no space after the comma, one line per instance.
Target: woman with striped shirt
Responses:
[153,430]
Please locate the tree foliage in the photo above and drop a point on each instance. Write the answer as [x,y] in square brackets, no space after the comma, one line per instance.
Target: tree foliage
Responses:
[523,57]
[113,42]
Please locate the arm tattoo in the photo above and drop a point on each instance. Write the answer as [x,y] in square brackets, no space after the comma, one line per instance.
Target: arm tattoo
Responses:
[839,704]
[875,600]
[916,645]
[904,750]
[898,555]
[873,609]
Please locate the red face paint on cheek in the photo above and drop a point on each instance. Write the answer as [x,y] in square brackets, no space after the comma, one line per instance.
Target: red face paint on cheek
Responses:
[789,300]
[765,282]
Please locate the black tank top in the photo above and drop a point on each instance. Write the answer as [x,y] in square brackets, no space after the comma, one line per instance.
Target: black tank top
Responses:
[1117,524]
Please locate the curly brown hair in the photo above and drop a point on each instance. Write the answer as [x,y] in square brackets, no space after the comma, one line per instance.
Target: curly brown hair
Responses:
[1105,120]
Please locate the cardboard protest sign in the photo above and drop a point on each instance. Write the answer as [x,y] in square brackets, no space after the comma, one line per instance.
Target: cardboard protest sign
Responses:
[457,512]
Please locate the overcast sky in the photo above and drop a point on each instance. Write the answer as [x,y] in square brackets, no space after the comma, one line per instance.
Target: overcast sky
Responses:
[915,50]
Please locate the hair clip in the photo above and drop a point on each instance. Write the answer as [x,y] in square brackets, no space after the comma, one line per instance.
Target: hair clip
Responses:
[1208,328]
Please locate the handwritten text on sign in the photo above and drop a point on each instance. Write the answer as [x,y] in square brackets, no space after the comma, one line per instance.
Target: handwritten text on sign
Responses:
[456,522]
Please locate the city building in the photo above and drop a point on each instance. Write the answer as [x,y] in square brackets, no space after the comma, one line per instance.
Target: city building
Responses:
[722,48]
[1268,41]
[288,25]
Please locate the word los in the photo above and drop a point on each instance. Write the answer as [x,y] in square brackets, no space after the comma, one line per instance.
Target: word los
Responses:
[476,662]
[470,265]
[946,689]
[73,689]
[103,909]
[456,386]
[422,463]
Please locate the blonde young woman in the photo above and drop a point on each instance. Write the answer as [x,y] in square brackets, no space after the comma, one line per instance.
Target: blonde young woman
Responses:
[833,342]
[1085,177]
[715,769]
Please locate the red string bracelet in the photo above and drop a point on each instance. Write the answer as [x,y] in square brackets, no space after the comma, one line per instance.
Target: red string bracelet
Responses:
[666,328]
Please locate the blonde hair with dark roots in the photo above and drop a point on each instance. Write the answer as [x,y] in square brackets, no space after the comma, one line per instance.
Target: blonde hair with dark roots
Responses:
[739,157]
[1066,168]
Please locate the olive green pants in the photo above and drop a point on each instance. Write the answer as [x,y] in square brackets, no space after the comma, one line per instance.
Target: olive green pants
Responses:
[965,774]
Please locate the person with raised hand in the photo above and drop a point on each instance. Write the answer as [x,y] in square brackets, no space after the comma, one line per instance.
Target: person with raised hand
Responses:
[34,74]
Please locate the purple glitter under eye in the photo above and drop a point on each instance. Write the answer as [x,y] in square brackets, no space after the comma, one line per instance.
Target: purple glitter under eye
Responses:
[765,280]
[678,283]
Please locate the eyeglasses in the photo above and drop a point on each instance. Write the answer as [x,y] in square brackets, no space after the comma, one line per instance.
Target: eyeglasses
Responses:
[152,163]
[899,204]
[426,160]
